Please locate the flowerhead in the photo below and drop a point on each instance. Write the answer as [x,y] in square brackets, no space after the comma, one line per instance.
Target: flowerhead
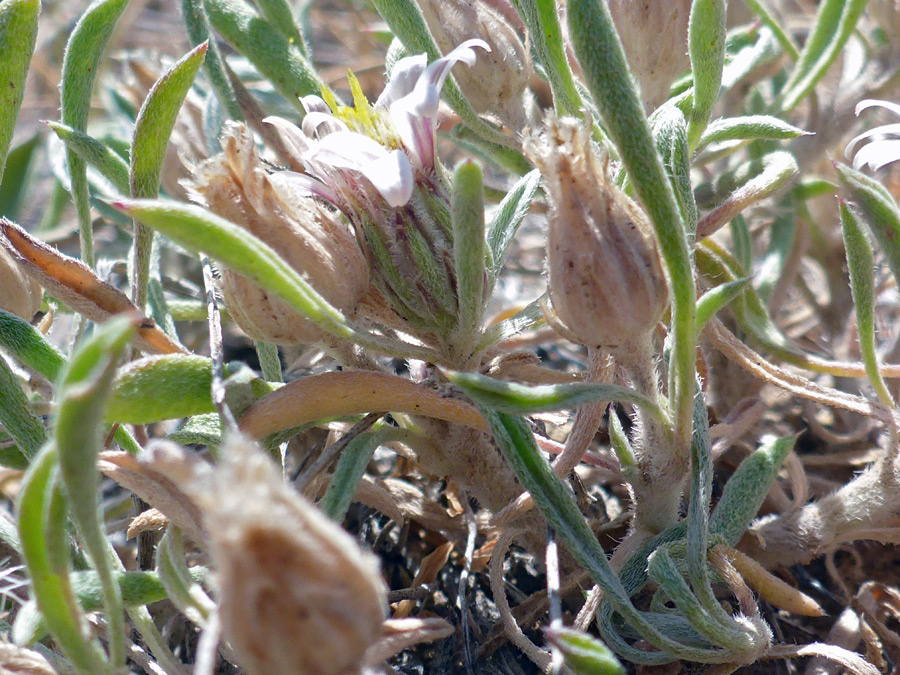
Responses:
[377,165]
[885,146]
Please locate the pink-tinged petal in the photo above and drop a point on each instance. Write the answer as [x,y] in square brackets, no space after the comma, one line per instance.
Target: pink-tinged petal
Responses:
[318,124]
[301,185]
[416,132]
[404,75]
[392,176]
[877,154]
[886,130]
[314,104]
[295,141]
[427,93]
[873,103]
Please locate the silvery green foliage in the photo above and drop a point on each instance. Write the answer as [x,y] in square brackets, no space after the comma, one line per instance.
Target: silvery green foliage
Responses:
[377,232]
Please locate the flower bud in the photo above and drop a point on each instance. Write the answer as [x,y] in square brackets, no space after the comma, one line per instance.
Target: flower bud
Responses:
[19,293]
[607,283]
[309,237]
[296,592]
[655,37]
[497,82]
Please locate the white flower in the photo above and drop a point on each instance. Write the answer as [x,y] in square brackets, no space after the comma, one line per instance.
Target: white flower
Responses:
[886,146]
[343,164]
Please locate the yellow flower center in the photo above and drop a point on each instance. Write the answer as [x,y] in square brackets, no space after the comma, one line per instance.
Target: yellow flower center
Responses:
[363,118]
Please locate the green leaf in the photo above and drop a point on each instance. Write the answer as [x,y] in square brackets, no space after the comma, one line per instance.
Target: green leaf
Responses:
[81,64]
[181,590]
[277,59]
[18,32]
[97,154]
[583,653]
[17,418]
[198,30]
[879,211]
[540,17]
[747,488]
[347,473]
[861,265]
[41,521]
[510,214]
[85,386]
[526,399]
[670,133]
[717,298]
[152,130]
[606,72]
[835,22]
[750,127]
[19,176]
[758,8]
[281,17]
[159,388]
[203,429]
[778,168]
[706,40]
[467,218]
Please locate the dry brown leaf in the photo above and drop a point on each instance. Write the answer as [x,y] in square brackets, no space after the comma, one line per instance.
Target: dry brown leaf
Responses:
[155,488]
[400,500]
[401,634]
[74,283]
[16,660]
[428,571]
[344,393]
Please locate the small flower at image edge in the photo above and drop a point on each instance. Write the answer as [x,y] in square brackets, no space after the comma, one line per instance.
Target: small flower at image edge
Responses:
[885,148]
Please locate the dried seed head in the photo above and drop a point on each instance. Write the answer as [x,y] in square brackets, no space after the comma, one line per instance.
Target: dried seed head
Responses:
[654,35]
[20,661]
[607,283]
[19,293]
[309,237]
[296,593]
[498,81]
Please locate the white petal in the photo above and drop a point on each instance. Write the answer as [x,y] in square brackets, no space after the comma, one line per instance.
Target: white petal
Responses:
[389,172]
[873,103]
[432,80]
[416,132]
[392,176]
[877,154]
[295,141]
[301,185]
[885,130]
[317,124]
[404,75]
[314,104]
[346,150]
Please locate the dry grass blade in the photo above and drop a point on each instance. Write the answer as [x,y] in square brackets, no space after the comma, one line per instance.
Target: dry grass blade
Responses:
[428,572]
[400,501]
[75,284]
[851,661]
[401,634]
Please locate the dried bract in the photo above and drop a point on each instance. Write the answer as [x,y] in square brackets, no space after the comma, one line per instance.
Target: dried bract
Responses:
[296,593]
[654,35]
[20,661]
[19,293]
[497,83]
[607,283]
[309,237]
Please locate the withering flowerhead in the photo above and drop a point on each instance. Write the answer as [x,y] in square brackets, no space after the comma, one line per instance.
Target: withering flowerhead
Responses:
[377,165]
[296,593]
[311,238]
[607,283]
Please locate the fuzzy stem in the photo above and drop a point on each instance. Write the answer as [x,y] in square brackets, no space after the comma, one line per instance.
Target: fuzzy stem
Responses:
[661,470]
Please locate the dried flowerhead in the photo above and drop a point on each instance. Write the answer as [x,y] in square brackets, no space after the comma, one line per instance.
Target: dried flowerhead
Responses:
[607,283]
[296,593]
[377,165]
[497,83]
[311,238]
[655,36]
